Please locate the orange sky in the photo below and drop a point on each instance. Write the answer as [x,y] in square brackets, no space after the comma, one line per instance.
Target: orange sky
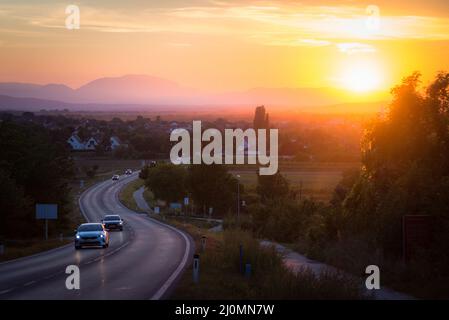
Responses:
[221,46]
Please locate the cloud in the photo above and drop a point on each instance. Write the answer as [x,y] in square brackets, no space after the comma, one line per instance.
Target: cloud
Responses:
[285,23]
[354,47]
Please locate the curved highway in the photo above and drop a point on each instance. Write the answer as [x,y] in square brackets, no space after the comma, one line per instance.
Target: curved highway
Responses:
[142,262]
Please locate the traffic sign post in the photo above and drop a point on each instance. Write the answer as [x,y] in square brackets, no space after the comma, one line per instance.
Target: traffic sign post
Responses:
[46,212]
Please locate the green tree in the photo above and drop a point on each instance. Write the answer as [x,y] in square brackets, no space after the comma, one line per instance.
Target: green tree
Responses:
[36,163]
[167,181]
[404,157]
[212,186]
[143,174]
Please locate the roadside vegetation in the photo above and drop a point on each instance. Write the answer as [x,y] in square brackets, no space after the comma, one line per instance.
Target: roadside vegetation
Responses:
[221,277]
[403,171]
[126,194]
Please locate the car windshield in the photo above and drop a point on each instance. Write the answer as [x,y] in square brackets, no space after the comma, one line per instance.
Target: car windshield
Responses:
[111,218]
[90,227]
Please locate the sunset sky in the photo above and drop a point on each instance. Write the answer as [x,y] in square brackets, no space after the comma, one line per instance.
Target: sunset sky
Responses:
[222,46]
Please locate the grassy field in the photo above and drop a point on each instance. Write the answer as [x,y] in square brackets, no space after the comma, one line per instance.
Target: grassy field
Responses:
[106,165]
[315,180]
[26,248]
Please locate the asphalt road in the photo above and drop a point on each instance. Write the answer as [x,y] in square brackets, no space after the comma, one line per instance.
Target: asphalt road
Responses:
[142,262]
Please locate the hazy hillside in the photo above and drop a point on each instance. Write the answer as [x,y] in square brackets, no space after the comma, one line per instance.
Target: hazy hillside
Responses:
[147,90]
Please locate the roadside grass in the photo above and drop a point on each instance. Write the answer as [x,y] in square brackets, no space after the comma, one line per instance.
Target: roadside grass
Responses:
[221,278]
[14,250]
[126,194]
[200,224]
[149,197]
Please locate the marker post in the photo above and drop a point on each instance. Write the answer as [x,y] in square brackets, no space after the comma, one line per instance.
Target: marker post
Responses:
[196,268]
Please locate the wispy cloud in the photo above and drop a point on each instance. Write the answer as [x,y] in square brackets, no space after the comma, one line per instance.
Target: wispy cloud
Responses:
[354,47]
[270,23]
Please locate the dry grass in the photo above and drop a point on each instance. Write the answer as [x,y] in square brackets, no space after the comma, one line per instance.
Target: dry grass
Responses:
[316,180]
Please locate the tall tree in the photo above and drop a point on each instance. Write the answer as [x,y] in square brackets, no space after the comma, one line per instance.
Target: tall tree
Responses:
[213,186]
[261,119]
[167,181]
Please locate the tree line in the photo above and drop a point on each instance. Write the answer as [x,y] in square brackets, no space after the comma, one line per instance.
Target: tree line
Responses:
[35,167]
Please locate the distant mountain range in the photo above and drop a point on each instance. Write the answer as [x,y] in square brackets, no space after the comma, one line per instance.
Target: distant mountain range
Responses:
[142,91]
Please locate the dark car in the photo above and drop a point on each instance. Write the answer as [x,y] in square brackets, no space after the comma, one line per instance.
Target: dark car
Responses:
[128,172]
[113,222]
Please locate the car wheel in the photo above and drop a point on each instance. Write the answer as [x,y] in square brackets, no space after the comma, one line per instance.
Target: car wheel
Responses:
[77,247]
[105,245]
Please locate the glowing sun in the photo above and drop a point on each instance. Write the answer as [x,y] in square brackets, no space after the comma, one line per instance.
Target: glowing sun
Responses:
[361,77]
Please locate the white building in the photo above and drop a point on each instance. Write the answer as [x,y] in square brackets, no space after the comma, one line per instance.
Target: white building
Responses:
[75,142]
[90,144]
[115,142]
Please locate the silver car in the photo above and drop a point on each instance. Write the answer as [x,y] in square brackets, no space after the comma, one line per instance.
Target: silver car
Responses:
[92,235]
[112,221]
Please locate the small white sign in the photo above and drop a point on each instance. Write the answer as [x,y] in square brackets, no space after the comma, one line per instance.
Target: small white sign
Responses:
[186,201]
[156,210]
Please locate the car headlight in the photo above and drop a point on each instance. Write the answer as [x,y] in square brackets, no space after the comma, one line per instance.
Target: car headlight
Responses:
[121,222]
[101,235]
[77,236]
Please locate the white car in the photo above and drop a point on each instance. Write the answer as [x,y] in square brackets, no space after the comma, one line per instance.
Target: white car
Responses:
[115,177]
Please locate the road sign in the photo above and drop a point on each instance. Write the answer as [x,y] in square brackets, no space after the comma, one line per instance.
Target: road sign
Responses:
[186,201]
[175,205]
[46,211]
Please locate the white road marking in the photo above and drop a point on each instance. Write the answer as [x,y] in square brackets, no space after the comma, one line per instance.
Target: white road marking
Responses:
[6,291]
[158,295]
[29,283]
